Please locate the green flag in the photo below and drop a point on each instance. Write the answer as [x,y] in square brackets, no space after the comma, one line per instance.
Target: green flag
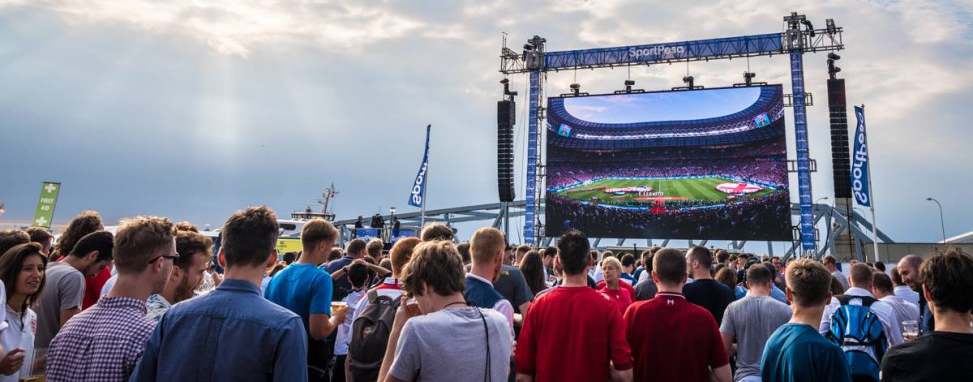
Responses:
[45,207]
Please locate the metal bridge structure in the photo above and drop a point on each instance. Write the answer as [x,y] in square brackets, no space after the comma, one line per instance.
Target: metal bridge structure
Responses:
[798,37]
[497,215]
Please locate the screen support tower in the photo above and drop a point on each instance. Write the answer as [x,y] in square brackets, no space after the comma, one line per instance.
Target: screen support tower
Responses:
[800,37]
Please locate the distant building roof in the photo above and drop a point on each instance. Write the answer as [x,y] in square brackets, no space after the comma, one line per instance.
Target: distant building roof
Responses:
[963,238]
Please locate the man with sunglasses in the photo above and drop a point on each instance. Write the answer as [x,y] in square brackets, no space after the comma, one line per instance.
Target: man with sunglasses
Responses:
[194,251]
[104,342]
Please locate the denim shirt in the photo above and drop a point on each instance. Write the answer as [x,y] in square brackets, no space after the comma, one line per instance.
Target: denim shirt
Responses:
[229,334]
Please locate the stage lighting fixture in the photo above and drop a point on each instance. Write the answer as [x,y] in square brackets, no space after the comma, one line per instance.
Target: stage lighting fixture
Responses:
[688,80]
[829,25]
[748,77]
[576,89]
[810,28]
[834,56]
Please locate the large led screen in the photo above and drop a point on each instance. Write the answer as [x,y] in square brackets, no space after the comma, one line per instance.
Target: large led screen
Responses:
[699,164]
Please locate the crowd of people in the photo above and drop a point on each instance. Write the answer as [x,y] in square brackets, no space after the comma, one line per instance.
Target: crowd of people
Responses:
[177,306]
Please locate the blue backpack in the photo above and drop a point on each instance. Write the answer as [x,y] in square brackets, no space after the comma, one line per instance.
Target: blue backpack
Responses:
[861,335]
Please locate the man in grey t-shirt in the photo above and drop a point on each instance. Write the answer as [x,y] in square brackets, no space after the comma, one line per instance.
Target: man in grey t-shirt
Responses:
[64,288]
[448,342]
[751,321]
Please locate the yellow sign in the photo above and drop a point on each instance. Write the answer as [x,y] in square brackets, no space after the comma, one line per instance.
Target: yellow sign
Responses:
[288,245]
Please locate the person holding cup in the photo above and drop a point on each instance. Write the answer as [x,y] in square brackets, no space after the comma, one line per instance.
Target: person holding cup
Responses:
[944,353]
[22,271]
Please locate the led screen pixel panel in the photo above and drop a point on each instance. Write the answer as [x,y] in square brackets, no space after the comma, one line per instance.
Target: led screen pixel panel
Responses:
[699,164]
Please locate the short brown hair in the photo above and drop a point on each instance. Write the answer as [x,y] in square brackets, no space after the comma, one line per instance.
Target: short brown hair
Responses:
[701,255]
[669,266]
[947,278]
[374,248]
[861,275]
[437,231]
[250,236]
[138,241]
[356,246]
[437,265]
[400,254]
[758,274]
[39,235]
[829,260]
[485,243]
[186,226]
[315,231]
[809,282]
[86,222]
[883,282]
[728,277]
[837,288]
[524,248]
[11,238]
[188,244]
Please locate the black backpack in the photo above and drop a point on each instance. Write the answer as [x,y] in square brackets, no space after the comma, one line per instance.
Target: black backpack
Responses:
[370,336]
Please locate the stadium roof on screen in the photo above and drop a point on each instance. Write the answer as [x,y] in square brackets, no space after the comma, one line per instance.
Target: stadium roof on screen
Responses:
[679,118]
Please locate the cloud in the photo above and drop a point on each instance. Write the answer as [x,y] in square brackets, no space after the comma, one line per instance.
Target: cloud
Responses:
[238,27]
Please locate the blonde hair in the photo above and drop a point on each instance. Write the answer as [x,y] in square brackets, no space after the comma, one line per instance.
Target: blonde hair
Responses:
[612,261]
[485,243]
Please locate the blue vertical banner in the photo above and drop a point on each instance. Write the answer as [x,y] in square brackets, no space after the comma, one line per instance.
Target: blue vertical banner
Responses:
[530,210]
[803,152]
[859,164]
[418,193]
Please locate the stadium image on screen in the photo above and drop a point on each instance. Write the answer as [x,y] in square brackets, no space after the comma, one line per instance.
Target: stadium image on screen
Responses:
[697,164]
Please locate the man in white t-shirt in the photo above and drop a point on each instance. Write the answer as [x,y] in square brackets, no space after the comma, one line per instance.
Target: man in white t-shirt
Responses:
[904,310]
[903,290]
[359,277]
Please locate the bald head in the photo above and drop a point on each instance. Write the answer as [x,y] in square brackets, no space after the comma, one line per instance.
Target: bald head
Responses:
[908,269]
[861,276]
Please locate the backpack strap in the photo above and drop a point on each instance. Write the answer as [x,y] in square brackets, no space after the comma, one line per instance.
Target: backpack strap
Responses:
[372,296]
[867,301]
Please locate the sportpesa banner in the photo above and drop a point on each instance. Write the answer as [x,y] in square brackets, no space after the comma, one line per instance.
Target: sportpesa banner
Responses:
[859,165]
[418,192]
[654,53]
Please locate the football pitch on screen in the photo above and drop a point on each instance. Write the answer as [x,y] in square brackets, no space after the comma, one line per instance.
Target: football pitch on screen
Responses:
[672,189]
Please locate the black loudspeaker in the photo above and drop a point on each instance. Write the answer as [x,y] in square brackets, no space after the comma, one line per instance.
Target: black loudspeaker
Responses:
[505,150]
[840,152]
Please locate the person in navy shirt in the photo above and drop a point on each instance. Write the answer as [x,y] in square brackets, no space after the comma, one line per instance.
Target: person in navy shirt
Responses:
[231,333]
[796,352]
[487,246]
[342,286]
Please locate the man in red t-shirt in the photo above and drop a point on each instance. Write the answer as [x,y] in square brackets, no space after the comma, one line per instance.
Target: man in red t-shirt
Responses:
[671,338]
[572,332]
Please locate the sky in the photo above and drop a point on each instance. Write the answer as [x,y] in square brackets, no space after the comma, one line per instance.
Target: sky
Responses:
[650,107]
[193,109]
